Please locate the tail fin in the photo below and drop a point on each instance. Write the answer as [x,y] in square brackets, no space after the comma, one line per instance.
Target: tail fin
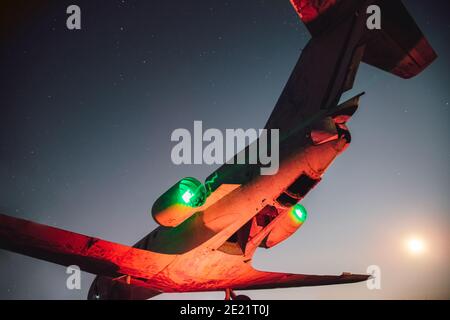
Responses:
[399,47]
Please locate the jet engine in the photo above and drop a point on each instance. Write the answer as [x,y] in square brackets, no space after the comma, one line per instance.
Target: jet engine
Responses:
[289,222]
[180,202]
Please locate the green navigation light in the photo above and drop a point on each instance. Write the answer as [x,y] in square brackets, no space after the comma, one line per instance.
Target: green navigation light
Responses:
[299,213]
[192,192]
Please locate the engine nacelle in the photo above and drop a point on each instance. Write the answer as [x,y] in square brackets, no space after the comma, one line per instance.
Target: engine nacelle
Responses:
[289,222]
[180,202]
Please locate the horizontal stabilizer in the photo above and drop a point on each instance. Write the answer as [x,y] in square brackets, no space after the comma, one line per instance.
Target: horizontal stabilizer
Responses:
[399,47]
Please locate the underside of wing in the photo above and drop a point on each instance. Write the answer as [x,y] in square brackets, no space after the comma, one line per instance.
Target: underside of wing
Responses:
[272,280]
[121,288]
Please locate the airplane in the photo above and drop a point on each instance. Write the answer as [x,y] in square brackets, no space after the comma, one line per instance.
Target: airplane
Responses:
[208,232]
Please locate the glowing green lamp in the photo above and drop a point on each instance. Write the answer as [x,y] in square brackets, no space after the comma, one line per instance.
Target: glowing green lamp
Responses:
[192,192]
[299,213]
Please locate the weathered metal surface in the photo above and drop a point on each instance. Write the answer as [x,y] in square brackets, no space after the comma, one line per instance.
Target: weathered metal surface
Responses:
[69,248]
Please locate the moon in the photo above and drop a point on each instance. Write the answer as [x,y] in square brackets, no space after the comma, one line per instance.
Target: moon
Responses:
[415,246]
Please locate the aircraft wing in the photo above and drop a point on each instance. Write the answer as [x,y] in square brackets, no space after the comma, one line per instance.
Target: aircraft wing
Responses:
[133,268]
[272,280]
[66,248]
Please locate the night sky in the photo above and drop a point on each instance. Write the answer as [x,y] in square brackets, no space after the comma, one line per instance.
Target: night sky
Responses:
[86,118]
